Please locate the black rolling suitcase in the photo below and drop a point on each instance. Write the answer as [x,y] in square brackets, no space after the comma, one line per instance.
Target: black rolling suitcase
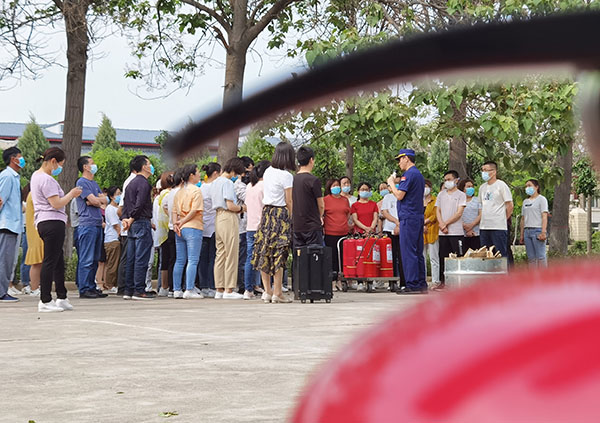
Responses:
[313,273]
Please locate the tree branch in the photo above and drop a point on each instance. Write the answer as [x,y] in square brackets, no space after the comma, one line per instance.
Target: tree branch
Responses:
[252,32]
[258,7]
[220,37]
[219,18]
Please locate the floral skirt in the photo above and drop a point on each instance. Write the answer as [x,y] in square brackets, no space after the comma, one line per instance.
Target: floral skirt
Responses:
[273,240]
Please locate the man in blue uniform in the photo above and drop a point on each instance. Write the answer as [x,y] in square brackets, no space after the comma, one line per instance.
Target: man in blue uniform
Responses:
[411,217]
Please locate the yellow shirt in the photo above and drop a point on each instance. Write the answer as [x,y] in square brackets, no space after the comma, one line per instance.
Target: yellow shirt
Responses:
[188,199]
[432,227]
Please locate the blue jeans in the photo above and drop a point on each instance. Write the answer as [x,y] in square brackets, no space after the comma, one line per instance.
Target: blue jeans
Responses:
[90,247]
[187,246]
[24,267]
[251,276]
[536,249]
[207,262]
[497,238]
[139,247]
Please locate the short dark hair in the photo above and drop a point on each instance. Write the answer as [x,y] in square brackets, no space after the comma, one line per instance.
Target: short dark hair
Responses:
[493,163]
[428,183]
[345,177]
[189,170]
[236,165]
[211,168]
[364,183]
[453,173]
[53,153]
[411,158]
[304,155]
[329,183]
[247,161]
[138,162]
[82,161]
[111,191]
[463,182]
[284,157]
[259,171]
[178,176]
[536,184]
[9,153]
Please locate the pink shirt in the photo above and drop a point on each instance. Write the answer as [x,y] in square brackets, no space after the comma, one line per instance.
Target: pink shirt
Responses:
[254,204]
[42,187]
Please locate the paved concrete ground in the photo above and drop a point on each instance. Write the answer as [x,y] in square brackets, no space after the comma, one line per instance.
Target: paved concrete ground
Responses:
[112,360]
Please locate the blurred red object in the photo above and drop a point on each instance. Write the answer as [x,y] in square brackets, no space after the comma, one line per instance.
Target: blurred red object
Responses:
[522,349]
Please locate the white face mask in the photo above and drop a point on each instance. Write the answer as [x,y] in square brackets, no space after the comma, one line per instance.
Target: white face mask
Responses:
[449,184]
[427,191]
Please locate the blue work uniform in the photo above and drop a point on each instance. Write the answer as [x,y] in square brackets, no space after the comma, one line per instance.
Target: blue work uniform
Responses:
[412,220]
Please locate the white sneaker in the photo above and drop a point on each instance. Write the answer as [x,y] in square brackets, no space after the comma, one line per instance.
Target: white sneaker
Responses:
[285,289]
[113,290]
[232,296]
[64,304]
[49,307]
[12,291]
[361,287]
[35,293]
[209,293]
[127,297]
[26,290]
[190,294]
[248,295]
[177,294]
[170,294]
[353,286]
[197,290]
[218,295]
[162,292]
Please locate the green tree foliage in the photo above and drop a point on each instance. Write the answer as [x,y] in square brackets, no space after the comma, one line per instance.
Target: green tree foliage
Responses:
[32,145]
[113,166]
[584,177]
[256,147]
[106,137]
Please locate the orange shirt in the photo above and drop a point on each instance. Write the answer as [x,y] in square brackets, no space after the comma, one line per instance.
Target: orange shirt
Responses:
[335,218]
[187,199]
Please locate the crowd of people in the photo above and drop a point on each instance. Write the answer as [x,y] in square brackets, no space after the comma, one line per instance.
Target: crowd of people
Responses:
[225,232]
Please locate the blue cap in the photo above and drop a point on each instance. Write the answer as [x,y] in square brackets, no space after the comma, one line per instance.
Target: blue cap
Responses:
[405,152]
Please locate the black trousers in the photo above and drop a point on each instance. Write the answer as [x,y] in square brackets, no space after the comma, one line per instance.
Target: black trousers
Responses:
[471,242]
[122,265]
[331,241]
[52,233]
[301,239]
[168,256]
[449,244]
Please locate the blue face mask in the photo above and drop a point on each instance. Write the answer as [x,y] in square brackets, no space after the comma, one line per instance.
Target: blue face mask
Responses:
[57,171]
[199,184]
[346,189]
[21,162]
[384,192]
[397,186]
[336,190]
[365,194]
[93,169]
[485,176]
[530,191]
[470,191]
[234,178]
[117,199]
[151,169]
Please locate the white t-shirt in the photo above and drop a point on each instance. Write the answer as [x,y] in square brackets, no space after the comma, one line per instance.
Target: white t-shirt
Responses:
[493,208]
[209,215]
[112,219]
[532,211]
[276,181]
[240,193]
[389,203]
[170,200]
[448,203]
[122,202]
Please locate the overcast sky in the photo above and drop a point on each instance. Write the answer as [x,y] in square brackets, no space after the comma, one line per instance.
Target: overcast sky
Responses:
[109,92]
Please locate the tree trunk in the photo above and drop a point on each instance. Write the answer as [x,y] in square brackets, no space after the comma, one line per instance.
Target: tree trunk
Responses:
[559,233]
[349,160]
[74,13]
[589,223]
[458,147]
[235,65]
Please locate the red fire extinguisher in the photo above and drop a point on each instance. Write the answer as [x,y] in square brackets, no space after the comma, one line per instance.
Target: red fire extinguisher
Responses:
[372,258]
[361,255]
[387,257]
[349,258]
